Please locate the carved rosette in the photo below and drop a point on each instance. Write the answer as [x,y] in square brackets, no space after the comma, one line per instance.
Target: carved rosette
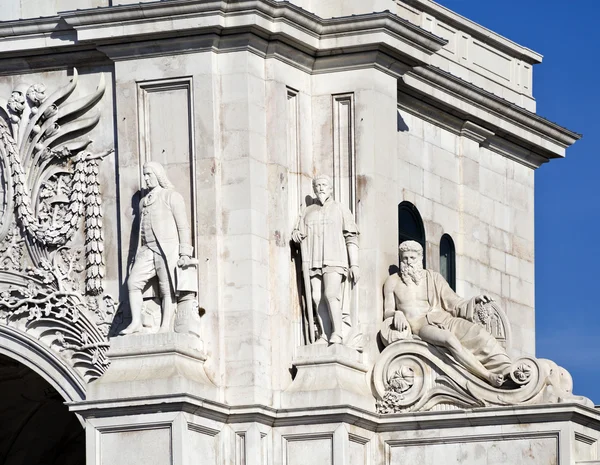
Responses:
[51,238]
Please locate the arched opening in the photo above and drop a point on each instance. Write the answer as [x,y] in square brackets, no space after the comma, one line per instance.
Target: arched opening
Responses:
[410,226]
[448,260]
[36,426]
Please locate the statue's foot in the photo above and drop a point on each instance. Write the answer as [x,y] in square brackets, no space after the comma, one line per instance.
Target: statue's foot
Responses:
[131,329]
[496,380]
[164,329]
[335,339]
[322,340]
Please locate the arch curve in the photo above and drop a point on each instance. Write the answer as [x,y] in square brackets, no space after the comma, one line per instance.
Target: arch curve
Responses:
[42,360]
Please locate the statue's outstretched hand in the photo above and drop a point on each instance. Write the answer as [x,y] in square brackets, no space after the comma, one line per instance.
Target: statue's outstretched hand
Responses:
[185,261]
[297,236]
[400,323]
[483,299]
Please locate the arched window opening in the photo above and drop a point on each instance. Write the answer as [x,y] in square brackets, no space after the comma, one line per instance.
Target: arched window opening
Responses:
[410,226]
[448,260]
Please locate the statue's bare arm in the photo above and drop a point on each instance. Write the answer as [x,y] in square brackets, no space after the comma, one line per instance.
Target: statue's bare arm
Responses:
[389,302]
[400,322]
[353,259]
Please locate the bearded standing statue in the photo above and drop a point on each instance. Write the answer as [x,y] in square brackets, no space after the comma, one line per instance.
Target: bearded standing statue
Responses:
[421,302]
[328,238]
[165,248]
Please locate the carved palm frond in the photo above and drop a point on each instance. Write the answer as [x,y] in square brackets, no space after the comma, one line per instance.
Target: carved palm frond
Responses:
[50,190]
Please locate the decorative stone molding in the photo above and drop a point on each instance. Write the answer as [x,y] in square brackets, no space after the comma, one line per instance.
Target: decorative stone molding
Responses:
[556,138]
[475,132]
[441,384]
[52,269]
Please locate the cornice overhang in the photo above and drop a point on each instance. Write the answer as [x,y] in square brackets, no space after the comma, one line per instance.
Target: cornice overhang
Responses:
[181,15]
[286,32]
[514,131]
[485,416]
[268,19]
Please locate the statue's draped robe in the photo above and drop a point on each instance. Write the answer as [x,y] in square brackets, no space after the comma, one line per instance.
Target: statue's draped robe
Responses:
[453,313]
[166,227]
[329,229]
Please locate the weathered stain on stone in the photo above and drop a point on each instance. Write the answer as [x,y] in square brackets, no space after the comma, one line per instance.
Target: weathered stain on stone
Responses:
[362,185]
[279,239]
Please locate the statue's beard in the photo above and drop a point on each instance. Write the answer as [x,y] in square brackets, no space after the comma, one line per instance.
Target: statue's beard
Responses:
[412,273]
[323,197]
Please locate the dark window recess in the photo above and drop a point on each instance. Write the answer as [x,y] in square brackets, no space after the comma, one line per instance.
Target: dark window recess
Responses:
[448,260]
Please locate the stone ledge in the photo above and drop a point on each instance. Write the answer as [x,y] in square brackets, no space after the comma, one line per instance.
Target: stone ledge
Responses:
[485,416]
[160,343]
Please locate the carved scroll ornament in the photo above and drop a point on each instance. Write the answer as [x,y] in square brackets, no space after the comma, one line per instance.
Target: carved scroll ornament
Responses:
[51,237]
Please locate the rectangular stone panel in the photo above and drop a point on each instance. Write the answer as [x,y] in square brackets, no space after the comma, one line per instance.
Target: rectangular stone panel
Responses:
[357,451]
[491,60]
[477,451]
[295,194]
[166,134]
[308,450]
[142,446]
[449,34]
[344,162]
[202,446]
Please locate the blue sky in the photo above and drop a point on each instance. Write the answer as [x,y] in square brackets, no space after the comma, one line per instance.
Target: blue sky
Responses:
[567,203]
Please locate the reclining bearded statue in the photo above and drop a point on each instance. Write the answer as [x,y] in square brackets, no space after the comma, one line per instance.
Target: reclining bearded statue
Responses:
[421,301]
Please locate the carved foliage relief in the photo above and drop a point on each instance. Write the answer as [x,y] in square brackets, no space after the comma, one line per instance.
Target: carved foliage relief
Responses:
[51,236]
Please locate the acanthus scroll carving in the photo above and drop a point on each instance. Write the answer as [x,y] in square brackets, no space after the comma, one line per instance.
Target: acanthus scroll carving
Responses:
[51,237]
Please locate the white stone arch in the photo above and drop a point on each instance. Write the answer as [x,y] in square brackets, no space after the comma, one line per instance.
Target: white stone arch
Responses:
[42,360]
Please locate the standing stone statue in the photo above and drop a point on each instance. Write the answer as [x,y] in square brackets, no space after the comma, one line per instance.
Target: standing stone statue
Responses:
[328,238]
[421,301]
[165,248]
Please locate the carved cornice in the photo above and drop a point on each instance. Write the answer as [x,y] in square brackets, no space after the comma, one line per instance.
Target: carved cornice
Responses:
[475,132]
[268,19]
[288,33]
[181,15]
[487,99]
[25,27]
[513,131]
[273,417]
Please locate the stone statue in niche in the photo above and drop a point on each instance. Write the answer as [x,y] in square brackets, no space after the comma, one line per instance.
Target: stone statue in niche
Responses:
[328,238]
[421,301]
[440,353]
[164,259]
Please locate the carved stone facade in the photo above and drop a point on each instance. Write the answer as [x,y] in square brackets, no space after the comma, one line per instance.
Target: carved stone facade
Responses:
[52,223]
[243,104]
